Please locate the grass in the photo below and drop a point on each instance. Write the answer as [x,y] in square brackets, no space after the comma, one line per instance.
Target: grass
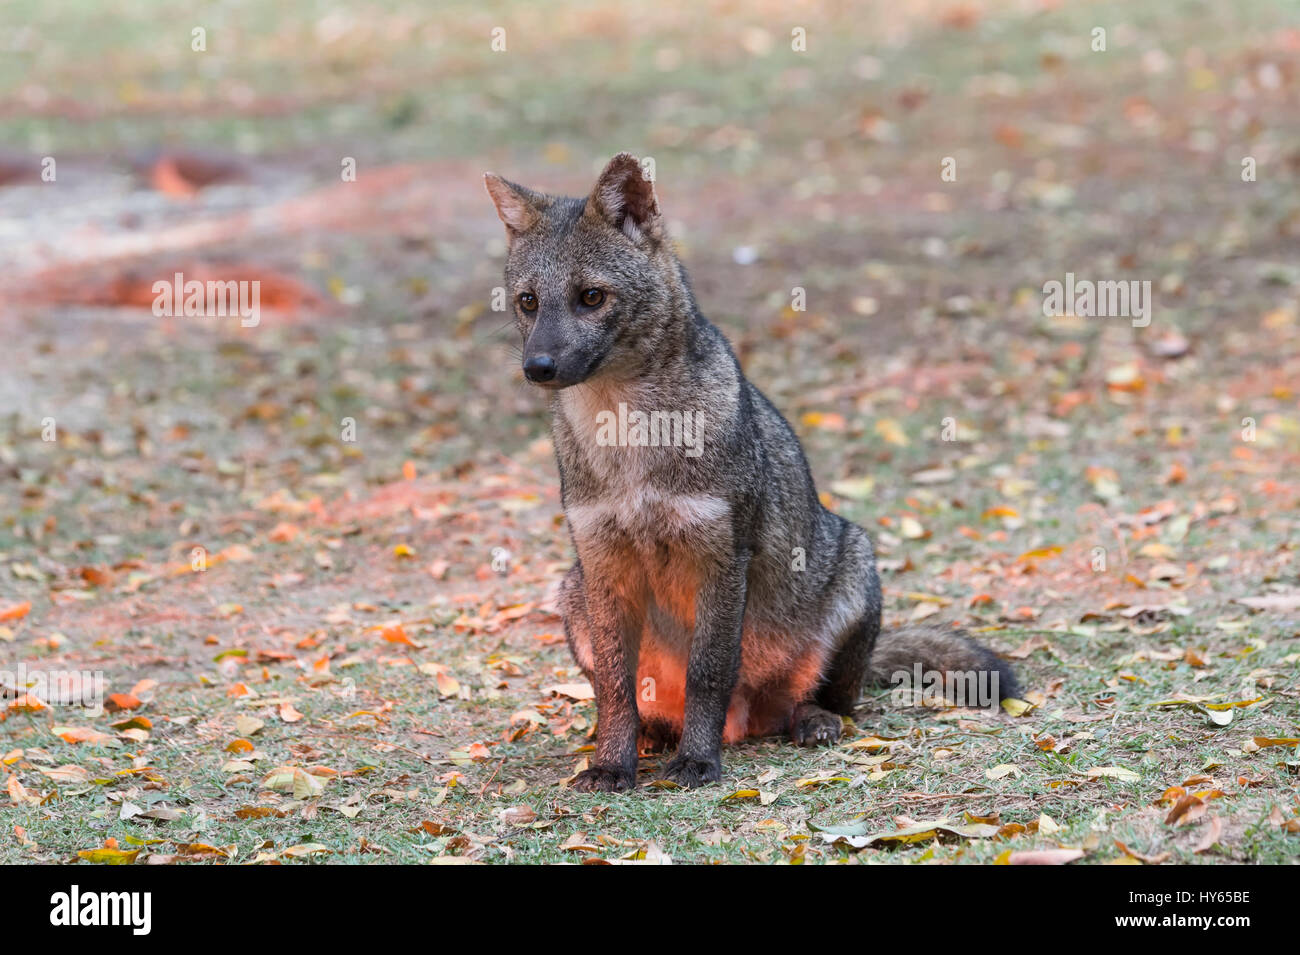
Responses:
[935,767]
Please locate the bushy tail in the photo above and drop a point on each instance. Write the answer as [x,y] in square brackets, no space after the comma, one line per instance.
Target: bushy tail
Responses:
[938,649]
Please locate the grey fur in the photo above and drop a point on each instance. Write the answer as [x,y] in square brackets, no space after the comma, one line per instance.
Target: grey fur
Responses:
[689,572]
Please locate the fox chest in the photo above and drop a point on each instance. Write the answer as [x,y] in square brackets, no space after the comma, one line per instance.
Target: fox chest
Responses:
[652,547]
[644,518]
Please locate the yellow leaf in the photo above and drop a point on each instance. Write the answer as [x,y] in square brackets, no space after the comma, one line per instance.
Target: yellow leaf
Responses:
[1016,707]
[1041,553]
[855,489]
[109,856]
[307,849]
[911,528]
[826,421]
[890,430]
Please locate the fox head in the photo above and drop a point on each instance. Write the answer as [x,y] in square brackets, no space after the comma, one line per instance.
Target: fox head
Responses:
[593,282]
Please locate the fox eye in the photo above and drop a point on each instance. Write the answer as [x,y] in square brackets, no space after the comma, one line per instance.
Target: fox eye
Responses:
[528,302]
[592,297]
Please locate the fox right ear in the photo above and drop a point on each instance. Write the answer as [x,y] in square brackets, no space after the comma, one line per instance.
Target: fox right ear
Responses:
[519,208]
[625,197]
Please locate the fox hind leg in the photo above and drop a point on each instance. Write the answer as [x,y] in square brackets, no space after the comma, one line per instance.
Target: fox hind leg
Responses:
[818,722]
[849,666]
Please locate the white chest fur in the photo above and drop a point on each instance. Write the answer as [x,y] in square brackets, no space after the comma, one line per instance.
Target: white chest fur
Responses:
[626,494]
[648,514]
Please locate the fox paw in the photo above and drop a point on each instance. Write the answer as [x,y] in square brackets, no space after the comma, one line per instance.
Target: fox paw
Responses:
[813,726]
[688,772]
[600,779]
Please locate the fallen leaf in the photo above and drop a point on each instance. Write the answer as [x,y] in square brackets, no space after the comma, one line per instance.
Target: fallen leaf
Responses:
[1213,830]
[109,856]
[574,691]
[1183,808]
[1044,856]
[15,611]
[1287,601]
[518,815]
[1147,859]
[855,834]
[1113,772]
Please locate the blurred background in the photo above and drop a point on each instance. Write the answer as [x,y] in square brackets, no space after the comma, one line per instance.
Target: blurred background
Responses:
[796,145]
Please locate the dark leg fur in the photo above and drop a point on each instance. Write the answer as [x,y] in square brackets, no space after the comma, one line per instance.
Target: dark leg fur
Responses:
[614,642]
[848,670]
[711,673]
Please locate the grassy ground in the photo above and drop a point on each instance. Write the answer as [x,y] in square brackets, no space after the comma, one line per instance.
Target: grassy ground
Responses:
[348,678]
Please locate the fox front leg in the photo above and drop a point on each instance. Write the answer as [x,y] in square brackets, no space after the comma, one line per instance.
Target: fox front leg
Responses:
[615,646]
[711,673]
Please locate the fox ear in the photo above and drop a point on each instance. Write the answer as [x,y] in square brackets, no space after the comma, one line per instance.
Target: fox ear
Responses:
[625,197]
[519,208]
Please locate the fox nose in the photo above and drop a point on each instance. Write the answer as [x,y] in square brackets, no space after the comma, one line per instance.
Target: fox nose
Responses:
[539,368]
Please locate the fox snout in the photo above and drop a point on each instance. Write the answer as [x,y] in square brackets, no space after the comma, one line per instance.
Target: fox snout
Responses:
[545,353]
[539,368]
[556,354]
[556,368]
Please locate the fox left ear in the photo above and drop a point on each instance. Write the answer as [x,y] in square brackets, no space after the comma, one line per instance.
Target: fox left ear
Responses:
[519,208]
[625,197]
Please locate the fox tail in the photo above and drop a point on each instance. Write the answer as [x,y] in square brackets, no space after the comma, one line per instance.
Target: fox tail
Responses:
[945,650]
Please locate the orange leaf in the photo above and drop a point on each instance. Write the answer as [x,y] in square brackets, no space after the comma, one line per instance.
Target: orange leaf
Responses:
[15,611]
[96,576]
[19,795]
[80,734]
[1187,806]
[26,704]
[827,421]
[283,532]
[134,723]
[396,633]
